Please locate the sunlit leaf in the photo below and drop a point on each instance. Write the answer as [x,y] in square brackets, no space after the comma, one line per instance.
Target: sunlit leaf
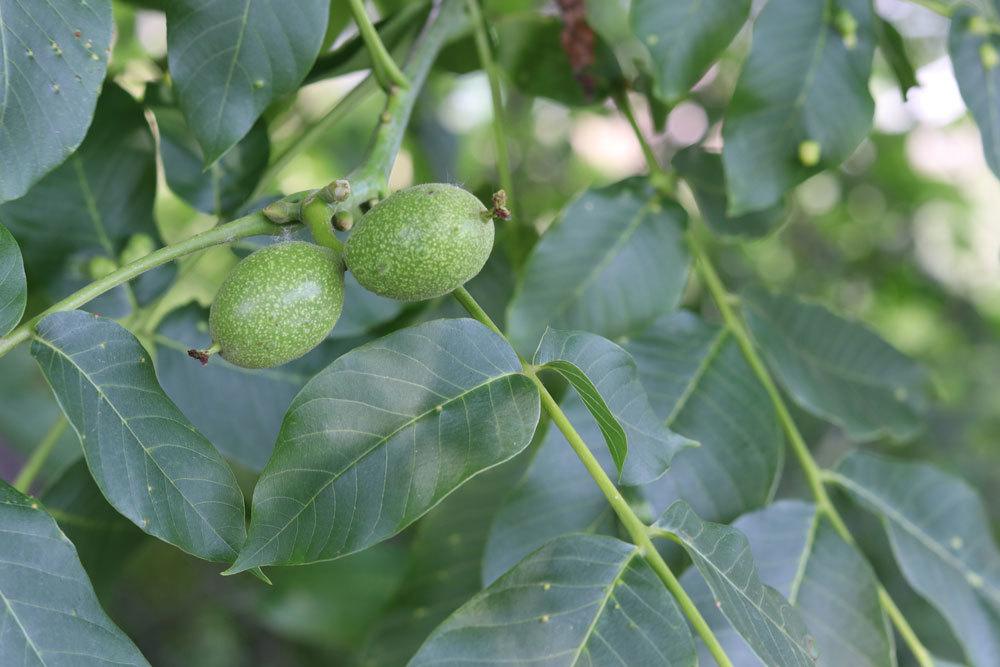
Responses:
[804,81]
[768,623]
[942,540]
[836,368]
[613,263]
[146,457]
[54,59]
[382,435]
[580,599]
[50,614]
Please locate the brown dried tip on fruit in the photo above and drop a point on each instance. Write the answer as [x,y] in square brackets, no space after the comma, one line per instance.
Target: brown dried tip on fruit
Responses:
[200,355]
[500,209]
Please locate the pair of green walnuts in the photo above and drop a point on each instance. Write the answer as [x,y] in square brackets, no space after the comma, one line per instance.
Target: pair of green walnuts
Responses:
[283,300]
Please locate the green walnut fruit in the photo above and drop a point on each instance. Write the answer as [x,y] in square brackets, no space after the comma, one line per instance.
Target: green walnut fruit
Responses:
[276,305]
[421,242]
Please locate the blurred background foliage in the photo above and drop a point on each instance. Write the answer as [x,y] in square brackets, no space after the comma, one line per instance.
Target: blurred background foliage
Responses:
[904,236]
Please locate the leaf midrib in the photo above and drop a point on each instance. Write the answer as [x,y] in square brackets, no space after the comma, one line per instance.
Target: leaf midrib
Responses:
[349,465]
[603,604]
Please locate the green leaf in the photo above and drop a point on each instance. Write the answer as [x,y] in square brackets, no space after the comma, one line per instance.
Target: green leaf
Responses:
[555,497]
[91,204]
[827,580]
[382,435]
[701,386]
[238,409]
[893,49]
[684,38]
[146,457]
[580,599]
[225,185]
[50,613]
[612,264]
[942,540]
[975,58]
[444,566]
[803,81]
[606,378]
[836,368]
[103,538]
[769,624]
[704,173]
[230,60]
[54,59]
[13,286]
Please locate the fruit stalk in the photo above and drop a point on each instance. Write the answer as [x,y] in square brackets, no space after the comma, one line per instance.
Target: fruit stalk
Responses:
[636,529]
[386,70]
[664,182]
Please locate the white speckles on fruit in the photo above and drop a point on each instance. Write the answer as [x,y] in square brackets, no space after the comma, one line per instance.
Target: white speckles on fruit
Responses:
[277,304]
[421,242]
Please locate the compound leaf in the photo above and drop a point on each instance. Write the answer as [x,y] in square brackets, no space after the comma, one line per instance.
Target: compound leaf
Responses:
[580,599]
[702,387]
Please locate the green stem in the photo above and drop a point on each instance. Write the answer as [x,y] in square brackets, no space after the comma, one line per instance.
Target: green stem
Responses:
[633,524]
[386,71]
[482,36]
[734,324]
[373,175]
[316,214]
[250,225]
[311,133]
[813,473]
[38,457]
[662,180]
